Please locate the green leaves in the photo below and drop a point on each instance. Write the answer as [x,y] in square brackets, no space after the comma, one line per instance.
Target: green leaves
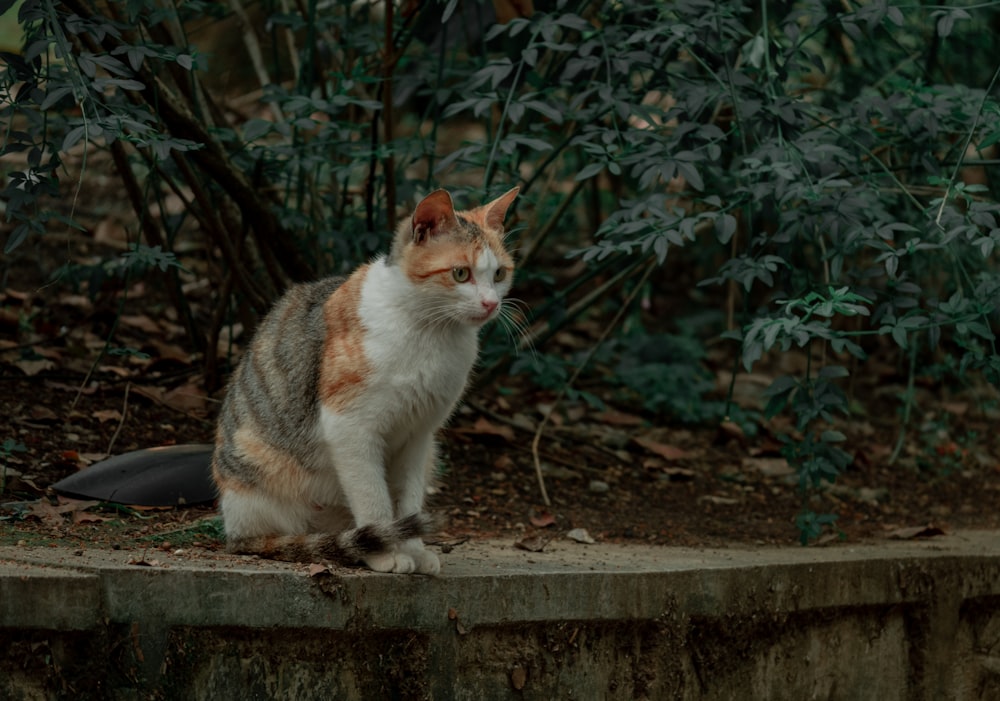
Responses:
[797,326]
[143,257]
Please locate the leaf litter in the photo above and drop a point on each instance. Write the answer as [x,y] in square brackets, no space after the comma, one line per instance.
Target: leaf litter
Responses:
[668,483]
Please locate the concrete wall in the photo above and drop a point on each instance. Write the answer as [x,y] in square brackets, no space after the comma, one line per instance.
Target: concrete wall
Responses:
[896,621]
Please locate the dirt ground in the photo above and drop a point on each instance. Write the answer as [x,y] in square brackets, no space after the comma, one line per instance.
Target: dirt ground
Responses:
[614,473]
[617,473]
[607,479]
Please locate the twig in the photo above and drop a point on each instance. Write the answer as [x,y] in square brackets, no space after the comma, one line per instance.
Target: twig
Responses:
[907,405]
[482,409]
[529,248]
[586,361]
[252,46]
[388,167]
[121,421]
[965,146]
[547,329]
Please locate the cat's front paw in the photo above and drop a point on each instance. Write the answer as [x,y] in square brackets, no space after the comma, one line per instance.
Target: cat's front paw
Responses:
[424,560]
[395,562]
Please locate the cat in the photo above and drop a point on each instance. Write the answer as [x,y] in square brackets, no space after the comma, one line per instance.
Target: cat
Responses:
[325,442]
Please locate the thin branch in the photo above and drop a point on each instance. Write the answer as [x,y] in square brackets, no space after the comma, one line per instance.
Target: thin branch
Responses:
[529,250]
[121,421]
[252,45]
[583,364]
[548,328]
[965,146]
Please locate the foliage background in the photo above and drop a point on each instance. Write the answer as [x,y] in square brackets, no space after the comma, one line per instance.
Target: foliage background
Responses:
[750,177]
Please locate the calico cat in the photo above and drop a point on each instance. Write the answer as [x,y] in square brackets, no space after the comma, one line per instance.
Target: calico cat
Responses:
[326,437]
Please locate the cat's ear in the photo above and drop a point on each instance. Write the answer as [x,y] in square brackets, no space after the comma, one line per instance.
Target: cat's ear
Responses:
[434,214]
[496,211]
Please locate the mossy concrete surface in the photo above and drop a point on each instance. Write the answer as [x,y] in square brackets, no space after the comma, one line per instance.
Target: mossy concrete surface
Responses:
[897,620]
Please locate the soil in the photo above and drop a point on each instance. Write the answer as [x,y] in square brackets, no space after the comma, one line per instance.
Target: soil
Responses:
[616,471]
[619,474]
[718,489]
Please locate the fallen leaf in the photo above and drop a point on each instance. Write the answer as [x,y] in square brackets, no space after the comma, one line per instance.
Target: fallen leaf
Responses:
[50,353]
[533,544]
[43,413]
[117,370]
[143,562]
[679,474]
[44,510]
[189,398]
[619,418]
[518,677]
[484,427]
[153,393]
[768,447]
[729,430]
[76,301]
[915,532]
[559,472]
[543,520]
[453,616]
[770,467]
[110,232]
[33,367]
[575,413]
[141,322]
[86,391]
[316,569]
[104,415]
[504,462]
[89,517]
[664,450]
[717,500]
[580,535]
[956,408]
[170,351]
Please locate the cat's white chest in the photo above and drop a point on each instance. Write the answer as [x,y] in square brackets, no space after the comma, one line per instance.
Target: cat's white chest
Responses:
[418,371]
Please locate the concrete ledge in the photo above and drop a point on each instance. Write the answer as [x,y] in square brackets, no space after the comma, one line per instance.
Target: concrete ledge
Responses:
[917,620]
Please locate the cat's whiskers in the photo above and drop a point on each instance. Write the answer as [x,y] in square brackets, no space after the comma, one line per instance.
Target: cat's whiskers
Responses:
[436,316]
[512,317]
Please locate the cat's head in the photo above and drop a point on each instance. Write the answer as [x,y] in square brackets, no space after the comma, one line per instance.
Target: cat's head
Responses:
[457,259]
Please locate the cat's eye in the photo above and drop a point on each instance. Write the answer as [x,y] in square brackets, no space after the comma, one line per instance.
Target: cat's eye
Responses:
[500,275]
[461,274]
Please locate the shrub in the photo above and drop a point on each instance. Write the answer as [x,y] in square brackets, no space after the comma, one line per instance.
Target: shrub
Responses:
[818,164]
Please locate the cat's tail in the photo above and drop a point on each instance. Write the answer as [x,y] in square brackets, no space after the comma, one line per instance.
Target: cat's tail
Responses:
[346,547]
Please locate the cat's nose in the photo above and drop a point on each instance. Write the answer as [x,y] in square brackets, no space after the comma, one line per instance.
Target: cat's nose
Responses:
[489,305]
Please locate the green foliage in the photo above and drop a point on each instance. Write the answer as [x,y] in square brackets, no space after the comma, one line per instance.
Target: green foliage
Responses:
[811,525]
[666,373]
[553,372]
[823,164]
[7,450]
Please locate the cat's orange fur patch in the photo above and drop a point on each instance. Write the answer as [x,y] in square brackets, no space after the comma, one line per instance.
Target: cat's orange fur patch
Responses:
[280,472]
[435,260]
[344,369]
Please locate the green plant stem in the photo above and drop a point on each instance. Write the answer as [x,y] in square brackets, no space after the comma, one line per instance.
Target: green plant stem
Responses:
[626,303]
[538,336]
[965,145]
[529,249]
[496,138]
[908,403]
